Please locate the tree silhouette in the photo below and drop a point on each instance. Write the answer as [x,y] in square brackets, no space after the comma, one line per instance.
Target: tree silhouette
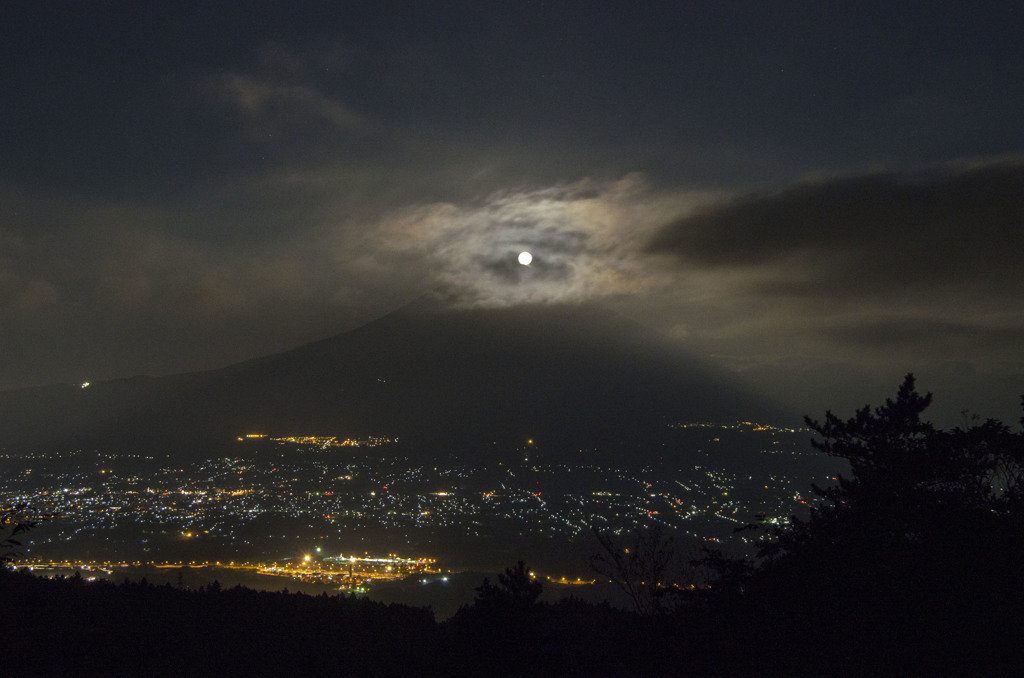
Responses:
[15,519]
[912,486]
[517,587]
[915,554]
[726,572]
[644,566]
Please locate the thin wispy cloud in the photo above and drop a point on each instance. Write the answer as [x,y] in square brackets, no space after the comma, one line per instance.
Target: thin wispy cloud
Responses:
[286,103]
[585,240]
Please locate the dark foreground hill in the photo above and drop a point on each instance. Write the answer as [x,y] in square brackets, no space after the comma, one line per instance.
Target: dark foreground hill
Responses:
[441,380]
[70,627]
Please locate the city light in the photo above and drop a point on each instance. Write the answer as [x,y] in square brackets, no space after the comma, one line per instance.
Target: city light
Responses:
[257,509]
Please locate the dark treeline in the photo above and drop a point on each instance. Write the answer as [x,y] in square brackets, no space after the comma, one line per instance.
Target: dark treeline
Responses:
[909,566]
[66,626]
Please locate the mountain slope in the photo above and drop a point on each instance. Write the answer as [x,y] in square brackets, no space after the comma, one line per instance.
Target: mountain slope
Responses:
[442,380]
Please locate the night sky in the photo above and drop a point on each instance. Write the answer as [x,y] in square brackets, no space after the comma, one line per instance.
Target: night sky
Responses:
[817,196]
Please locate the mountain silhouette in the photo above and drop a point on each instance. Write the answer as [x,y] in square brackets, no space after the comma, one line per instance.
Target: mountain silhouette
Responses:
[442,380]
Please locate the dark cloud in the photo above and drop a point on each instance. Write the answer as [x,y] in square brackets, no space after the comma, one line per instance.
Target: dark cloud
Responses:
[854,280]
[866,235]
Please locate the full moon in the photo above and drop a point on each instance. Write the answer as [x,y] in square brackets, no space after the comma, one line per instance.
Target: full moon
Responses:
[525,258]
